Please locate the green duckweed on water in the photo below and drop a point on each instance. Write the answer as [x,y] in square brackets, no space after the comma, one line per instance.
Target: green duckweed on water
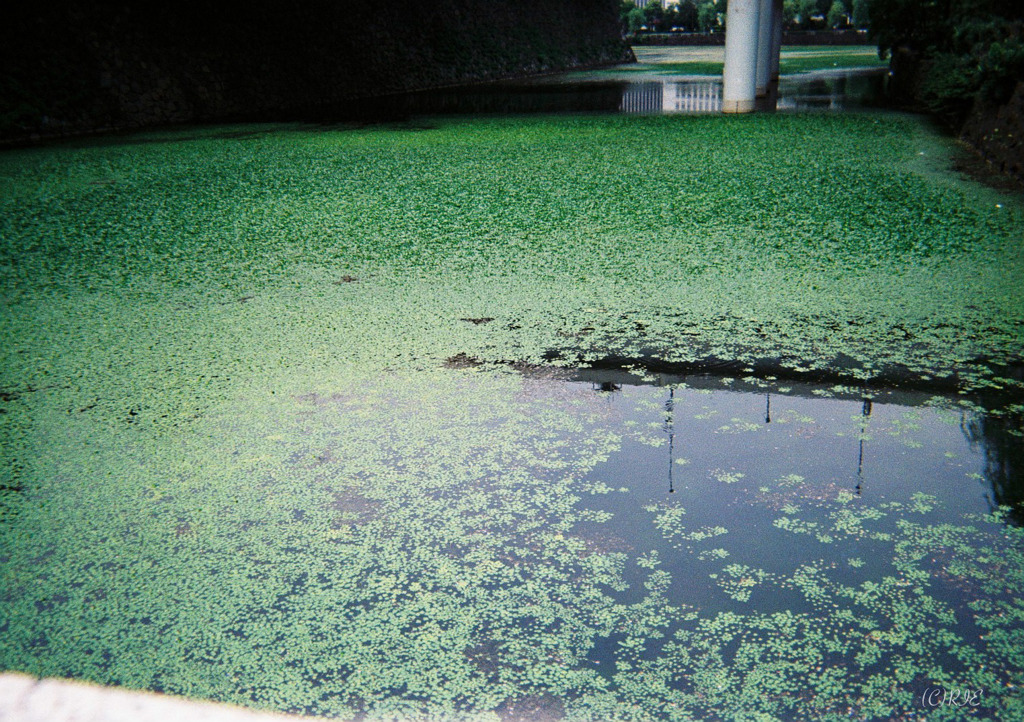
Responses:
[286,418]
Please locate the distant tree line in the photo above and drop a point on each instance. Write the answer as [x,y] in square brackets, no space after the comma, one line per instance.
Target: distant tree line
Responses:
[959,51]
[708,16]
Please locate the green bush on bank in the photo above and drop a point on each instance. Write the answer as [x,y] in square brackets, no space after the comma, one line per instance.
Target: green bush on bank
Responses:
[963,51]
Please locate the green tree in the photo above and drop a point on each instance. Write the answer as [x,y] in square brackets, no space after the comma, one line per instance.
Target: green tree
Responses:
[861,17]
[808,9]
[790,13]
[798,13]
[837,15]
[625,8]
[934,26]
[671,18]
[687,15]
[957,51]
[636,20]
[707,16]
[654,14]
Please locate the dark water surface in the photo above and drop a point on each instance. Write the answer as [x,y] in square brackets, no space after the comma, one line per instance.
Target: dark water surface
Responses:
[734,454]
[729,485]
[645,94]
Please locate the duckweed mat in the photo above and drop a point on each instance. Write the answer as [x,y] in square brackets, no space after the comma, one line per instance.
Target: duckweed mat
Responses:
[291,418]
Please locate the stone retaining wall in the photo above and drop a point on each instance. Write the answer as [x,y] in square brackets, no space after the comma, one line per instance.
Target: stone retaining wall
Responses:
[998,134]
[76,66]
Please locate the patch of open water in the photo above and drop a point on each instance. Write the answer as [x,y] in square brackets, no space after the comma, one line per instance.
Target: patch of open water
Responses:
[744,454]
[735,487]
[758,498]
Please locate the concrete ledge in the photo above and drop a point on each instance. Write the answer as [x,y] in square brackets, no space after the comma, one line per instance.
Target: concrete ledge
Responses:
[738,106]
[27,699]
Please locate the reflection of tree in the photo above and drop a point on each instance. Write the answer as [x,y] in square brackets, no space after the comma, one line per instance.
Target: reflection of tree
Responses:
[1000,437]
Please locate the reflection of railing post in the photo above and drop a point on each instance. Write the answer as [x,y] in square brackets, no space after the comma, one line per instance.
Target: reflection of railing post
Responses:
[838,92]
[643,98]
[865,413]
[693,97]
[670,407]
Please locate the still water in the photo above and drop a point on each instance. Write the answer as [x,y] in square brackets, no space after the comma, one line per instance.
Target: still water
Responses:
[842,90]
[540,545]
[860,533]
[449,541]
[735,488]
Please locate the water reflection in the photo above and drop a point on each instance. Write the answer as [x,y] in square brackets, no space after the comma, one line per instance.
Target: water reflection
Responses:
[833,91]
[865,414]
[507,98]
[1002,441]
[879,444]
[672,97]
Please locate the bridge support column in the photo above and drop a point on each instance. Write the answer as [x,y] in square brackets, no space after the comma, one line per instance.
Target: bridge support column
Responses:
[739,79]
[776,39]
[765,36]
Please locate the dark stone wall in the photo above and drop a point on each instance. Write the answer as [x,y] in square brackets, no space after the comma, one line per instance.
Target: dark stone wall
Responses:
[994,130]
[73,67]
[997,132]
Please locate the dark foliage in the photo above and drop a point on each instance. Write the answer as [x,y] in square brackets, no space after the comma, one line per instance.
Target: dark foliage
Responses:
[964,51]
[77,65]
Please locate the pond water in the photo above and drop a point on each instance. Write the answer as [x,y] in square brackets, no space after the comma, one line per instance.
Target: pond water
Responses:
[667,80]
[735,488]
[546,544]
[279,430]
[750,455]
[640,94]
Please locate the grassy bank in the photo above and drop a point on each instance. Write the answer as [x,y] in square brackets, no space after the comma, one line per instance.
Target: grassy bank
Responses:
[248,456]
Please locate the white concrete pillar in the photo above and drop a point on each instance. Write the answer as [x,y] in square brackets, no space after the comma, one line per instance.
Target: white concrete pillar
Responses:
[776,38]
[765,33]
[739,78]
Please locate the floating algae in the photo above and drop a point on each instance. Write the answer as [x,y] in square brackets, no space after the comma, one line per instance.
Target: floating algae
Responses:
[449,542]
[354,497]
